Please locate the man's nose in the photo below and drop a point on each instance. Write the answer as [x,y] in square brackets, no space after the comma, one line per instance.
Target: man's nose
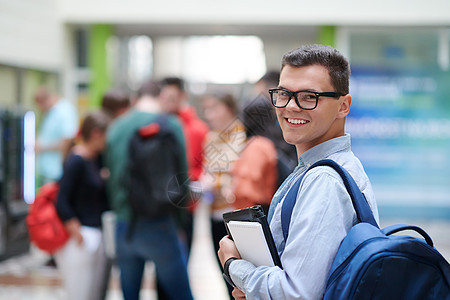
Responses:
[292,105]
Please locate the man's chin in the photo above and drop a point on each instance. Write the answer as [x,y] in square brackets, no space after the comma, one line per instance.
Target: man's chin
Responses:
[290,139]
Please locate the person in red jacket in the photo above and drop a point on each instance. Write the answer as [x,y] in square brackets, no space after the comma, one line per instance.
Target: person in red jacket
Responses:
[173,99]
[195,131]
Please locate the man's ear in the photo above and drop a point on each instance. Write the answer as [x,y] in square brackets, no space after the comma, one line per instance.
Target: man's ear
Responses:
[344,108]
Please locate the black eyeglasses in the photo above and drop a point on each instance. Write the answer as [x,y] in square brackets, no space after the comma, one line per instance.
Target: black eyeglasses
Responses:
[306,100]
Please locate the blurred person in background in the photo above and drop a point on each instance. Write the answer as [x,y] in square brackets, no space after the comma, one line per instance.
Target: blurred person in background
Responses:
[115,103]
[265,123]
[80,204]
[174,101]
[152,239]
[255,173]
[223,146]
[58,127]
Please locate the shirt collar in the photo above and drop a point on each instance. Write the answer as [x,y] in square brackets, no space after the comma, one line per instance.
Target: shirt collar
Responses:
[323,150]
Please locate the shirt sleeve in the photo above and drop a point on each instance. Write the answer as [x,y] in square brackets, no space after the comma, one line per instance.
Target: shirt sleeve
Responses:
[322,216]
[68,188]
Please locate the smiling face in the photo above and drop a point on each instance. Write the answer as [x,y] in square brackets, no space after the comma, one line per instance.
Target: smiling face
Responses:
[308,128]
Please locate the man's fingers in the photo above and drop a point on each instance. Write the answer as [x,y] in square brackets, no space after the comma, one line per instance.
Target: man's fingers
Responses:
[238,294]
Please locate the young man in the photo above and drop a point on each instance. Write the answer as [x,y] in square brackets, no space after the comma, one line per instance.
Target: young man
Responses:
[312,102]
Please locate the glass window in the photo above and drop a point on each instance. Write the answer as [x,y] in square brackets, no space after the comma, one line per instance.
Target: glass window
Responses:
[402,49]
[8,87]
[81,47]
[140,60]
[223,59]
[400,118]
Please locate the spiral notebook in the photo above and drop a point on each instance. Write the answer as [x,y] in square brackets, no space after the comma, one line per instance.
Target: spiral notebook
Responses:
[250,231]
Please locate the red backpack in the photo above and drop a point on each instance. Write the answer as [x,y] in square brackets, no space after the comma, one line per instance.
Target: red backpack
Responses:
[45,228]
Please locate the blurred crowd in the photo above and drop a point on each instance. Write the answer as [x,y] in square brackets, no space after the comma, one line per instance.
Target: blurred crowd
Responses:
[233,154]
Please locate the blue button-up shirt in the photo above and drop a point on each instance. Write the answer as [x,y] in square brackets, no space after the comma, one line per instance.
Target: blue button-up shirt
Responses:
[321,218]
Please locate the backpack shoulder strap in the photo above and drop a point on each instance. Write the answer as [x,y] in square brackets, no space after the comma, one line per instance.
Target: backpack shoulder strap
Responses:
[362,208]
[288,206]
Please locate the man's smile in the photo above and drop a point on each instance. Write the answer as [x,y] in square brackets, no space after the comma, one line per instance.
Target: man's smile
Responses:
[296,121]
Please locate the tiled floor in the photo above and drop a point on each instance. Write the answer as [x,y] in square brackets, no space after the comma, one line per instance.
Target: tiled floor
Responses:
[25,277]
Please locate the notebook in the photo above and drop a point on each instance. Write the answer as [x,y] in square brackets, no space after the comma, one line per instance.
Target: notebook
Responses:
[251,242]
[250,231]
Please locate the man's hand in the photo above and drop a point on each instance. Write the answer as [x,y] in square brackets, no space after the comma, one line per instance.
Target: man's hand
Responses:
[227,249]
[238,294]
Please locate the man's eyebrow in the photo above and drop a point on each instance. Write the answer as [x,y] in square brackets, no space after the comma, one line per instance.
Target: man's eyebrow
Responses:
[308,90]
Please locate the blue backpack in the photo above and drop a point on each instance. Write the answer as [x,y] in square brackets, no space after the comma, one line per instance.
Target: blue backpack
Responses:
[371,263]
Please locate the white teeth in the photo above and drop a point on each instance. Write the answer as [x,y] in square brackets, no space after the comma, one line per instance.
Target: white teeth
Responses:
[297,121]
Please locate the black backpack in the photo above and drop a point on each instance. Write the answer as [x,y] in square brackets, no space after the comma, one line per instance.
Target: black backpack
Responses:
[154,176]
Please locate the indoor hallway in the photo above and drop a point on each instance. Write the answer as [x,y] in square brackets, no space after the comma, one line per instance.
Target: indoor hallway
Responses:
[26,277]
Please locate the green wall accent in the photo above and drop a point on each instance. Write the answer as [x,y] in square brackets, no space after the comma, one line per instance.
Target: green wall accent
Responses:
[100,79]
[327,35]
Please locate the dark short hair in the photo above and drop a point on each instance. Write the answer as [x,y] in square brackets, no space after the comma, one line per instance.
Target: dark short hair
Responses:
[337,65]
[94,120]
[259,118]
[149,88]
[271,78]
[176,81]
[115,100]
